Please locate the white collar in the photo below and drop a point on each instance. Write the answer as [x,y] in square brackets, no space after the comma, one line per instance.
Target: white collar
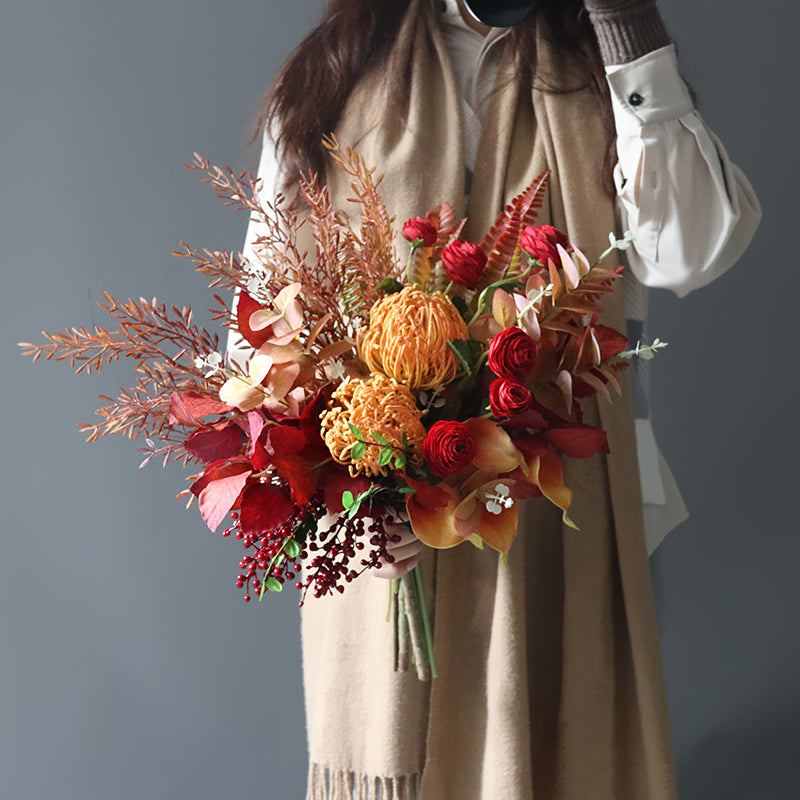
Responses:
[450,15]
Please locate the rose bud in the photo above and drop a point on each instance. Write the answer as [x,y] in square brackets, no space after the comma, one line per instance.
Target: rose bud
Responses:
[508,398]
[464,263]
[419,228]
[448,448]
[512,353]
[540,242]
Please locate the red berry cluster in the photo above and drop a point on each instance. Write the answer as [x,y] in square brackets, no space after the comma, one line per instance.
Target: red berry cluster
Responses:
[336,547]
[266,547]
[327,555]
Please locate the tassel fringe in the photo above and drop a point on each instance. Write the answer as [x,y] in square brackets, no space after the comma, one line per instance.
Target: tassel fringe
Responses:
[325,783]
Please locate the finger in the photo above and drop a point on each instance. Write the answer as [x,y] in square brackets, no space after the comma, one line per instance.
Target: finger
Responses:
[403,551]
[397,569]
[406,535]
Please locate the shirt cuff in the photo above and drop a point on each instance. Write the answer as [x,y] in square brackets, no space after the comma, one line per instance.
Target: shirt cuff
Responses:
[648,90]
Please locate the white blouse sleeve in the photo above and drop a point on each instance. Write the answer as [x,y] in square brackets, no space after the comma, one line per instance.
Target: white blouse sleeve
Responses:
[692,211]
[237,347]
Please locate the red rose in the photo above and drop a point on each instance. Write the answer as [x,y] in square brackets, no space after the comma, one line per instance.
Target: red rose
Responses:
[448,448]
[541,240]
[508,398]
[512,353]
[464,262]
[419,228]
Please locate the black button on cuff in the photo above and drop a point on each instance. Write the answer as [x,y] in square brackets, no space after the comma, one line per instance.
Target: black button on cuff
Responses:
[636,99]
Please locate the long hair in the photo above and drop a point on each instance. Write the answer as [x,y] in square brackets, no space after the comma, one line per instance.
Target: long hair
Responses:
[307,97]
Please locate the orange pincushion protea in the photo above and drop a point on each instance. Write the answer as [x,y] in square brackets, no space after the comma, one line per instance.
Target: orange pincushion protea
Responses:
[376,405]
[407,338]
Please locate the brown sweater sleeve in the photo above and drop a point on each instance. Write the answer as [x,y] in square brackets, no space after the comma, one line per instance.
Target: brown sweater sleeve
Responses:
[626,29]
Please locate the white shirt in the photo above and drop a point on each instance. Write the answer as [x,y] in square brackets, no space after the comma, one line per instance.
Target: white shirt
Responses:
[693,212]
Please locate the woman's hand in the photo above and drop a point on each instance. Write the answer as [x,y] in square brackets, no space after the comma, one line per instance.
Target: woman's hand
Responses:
[406,552]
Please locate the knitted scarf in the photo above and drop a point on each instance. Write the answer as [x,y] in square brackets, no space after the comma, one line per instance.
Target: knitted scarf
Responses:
[551,683]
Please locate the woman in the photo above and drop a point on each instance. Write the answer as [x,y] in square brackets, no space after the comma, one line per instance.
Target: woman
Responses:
[551,680]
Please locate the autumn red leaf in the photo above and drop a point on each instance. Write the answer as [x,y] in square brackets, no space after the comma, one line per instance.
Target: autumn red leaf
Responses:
[219,488]
[265,507]
[284,439]
[245,308]
[527,419]
[339,482]
[611,342]
[209,444]
[579,441]
[189,408]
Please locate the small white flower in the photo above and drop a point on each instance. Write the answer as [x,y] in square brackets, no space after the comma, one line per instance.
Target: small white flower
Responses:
[621,244]
[495,503]
[335,370]
[211,361]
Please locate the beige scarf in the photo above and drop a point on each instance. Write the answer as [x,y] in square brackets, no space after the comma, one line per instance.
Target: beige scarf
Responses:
[551,684]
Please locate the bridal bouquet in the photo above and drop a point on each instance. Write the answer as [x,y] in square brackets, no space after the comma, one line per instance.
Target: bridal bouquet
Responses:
[444,386]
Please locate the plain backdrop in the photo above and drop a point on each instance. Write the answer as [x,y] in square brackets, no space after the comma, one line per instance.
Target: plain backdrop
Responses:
[130,668]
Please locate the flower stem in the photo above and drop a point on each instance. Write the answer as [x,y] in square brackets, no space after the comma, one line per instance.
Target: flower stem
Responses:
[413,612]
[426,624]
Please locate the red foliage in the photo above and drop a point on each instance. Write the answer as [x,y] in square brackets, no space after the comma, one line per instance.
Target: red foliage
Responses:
[265,507]
[579,441]
[210,444]
[218,489]
[245,307]
[188,408]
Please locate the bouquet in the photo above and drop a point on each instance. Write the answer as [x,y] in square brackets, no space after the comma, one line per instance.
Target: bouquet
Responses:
[443,387]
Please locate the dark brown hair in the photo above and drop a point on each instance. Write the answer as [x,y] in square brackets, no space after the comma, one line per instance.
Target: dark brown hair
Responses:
[308,95]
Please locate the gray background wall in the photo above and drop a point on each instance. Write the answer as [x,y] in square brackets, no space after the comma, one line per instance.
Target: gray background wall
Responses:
[129,666]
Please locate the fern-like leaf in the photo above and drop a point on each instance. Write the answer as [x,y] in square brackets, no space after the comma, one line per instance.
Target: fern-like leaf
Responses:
[502,243]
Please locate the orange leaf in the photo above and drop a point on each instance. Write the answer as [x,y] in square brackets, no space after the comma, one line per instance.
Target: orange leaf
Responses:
[548,472]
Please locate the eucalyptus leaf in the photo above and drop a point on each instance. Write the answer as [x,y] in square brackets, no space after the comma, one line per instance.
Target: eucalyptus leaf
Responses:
[293,549]
[385,456]
[347,499]
[358,450]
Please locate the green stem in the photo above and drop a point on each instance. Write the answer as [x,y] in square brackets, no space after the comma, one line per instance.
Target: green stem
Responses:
[419,591]
[497,285]
[271,565]
[402,631]
[414,245]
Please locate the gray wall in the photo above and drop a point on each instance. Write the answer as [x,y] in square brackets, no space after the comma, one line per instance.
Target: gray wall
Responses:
[130,667]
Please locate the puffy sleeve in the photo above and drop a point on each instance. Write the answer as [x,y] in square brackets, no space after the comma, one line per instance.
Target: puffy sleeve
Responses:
[692,211]
[238,350]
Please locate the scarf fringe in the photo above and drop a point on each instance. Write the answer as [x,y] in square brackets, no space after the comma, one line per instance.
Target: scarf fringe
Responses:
[325,783]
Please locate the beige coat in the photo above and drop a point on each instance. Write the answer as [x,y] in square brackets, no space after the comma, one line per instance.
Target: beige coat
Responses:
[551,683]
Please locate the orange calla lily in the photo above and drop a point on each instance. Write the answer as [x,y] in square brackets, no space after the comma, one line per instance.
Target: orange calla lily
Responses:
[547,472]
[498,527]
[431,511]
[495,452]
